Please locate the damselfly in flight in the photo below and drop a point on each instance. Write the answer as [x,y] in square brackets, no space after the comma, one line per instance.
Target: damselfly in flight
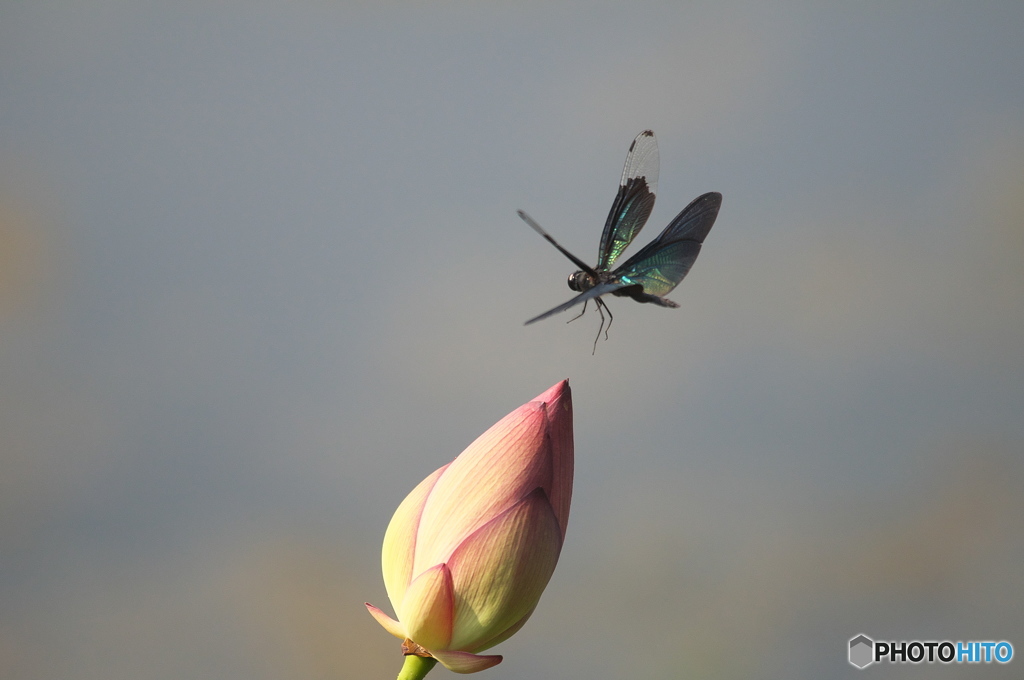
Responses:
[656,268]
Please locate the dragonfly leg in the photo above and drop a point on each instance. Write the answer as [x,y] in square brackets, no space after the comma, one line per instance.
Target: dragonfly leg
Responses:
[601,306]
[585,302]
[611,318]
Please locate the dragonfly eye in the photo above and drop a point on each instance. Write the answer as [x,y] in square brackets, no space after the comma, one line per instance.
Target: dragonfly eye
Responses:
[580,281]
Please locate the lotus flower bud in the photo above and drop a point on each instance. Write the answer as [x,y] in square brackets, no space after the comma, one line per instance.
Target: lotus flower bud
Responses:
[471,548]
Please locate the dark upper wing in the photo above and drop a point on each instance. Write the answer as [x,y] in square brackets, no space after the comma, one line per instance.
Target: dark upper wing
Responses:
[662,263]
[634,202]
[540,230]
[590,294]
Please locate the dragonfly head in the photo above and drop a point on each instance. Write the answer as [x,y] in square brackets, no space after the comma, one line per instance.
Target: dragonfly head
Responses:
[581,281]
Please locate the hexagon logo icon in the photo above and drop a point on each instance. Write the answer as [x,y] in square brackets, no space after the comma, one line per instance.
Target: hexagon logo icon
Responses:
[861,651]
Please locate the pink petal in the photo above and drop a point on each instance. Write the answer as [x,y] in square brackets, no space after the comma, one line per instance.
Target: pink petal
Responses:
[503,465]
[390,625]
[501,570]
[559,412]
[464,662]
[400,540]
[428,608]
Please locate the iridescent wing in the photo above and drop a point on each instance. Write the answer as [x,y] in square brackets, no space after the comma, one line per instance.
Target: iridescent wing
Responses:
[633,203]
[664,262]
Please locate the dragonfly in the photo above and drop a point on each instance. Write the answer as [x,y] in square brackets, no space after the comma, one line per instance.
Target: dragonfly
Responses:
[657,268]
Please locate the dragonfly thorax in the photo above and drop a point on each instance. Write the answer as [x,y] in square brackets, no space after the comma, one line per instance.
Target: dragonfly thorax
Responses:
[581,281]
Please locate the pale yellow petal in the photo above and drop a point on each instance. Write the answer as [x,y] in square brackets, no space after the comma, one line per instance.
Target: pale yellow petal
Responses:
[428,609]
[464,662]
[390,625]
[400,540]
[506,634]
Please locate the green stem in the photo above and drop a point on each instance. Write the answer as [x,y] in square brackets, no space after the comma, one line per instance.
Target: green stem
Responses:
[416,667]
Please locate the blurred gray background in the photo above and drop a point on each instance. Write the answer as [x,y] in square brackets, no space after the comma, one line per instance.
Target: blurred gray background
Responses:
[261,272]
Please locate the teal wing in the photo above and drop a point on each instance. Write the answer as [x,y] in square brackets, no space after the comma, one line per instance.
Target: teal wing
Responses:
[663,270]
[664,262]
